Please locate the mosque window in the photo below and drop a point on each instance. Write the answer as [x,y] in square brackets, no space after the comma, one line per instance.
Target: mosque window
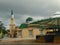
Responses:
[30,33]
[19,33]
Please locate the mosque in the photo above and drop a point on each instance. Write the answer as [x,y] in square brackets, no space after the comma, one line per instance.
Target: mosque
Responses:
[28,32]
[49,28]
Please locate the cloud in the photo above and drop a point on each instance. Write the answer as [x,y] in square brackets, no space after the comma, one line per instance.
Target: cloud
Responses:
[36,9]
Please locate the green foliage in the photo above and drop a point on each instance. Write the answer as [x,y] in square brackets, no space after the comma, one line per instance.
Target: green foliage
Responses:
[43,20]
[2,28]
[1,35]
[55,27]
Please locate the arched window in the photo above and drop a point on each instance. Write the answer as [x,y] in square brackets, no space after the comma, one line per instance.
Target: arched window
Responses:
[30,33]
[20,33]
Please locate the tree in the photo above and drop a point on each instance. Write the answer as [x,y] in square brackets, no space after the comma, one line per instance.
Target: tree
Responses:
[29,19]
[2,28]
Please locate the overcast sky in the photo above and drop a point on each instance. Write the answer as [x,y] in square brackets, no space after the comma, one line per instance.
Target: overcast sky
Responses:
[36,9]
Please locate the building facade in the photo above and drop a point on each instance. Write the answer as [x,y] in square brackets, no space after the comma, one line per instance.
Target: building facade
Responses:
[28,32]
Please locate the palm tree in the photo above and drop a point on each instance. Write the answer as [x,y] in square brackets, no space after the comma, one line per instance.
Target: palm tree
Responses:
[29,19]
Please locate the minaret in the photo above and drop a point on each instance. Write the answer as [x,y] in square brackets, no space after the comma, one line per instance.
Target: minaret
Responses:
[12,24]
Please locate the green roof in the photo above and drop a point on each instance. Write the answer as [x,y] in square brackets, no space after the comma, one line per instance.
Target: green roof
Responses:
[50,21]
[23,25]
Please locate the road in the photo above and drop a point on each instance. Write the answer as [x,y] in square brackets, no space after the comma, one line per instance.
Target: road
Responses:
[18,41]
[28,44]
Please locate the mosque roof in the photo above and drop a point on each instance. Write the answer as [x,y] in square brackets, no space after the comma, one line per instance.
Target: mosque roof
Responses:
[52,22]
